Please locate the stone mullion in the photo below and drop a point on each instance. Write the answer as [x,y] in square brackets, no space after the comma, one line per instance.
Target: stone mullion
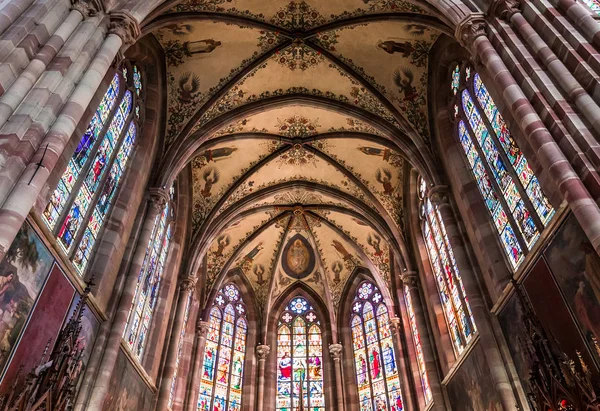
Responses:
[186,289]
[496,186]
[24,193]
[476,301]
[403,367]
[262,351]
[157,201]
[193,385]
[24,131]
[410,280]
[335,350]
[582,16]
[472,33]
[95,196]
[510,168]
[184,361]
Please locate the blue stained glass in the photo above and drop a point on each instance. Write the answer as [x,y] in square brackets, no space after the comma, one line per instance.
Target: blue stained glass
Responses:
[594,5]
[137,80]
[61,195]
[455,79]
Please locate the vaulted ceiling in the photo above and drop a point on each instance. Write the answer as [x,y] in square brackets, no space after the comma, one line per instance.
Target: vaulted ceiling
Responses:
[297,120]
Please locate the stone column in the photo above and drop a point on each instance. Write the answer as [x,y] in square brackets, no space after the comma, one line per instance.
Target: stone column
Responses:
[262,351]
[186,288]
[410,280]
[30,182]
[335,350]
[471,32]
[440,197]
[158,199]
[408,398]
[10,13]
[194,384]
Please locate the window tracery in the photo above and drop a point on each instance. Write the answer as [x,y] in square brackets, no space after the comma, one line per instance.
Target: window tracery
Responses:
[223,366]
[149,280]
[85,192]
[453,297]
[374,356]
[299,358]
[511,191]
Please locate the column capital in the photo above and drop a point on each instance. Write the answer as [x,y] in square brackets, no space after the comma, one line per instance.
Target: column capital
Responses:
[439,195]
[504,9]
[335,350]
[262,351]
[158,198]
[395,325]
[188,284]
[124,25]
[87,8]
[202,328]
[469,29]
[410,279]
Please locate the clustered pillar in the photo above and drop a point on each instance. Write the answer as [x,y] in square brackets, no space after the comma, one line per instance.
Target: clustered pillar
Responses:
[262,351]
[192,391]
[335,350]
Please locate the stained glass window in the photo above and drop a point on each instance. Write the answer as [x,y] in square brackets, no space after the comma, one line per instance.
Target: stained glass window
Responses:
[511,191]
[85,192]
[418,348]
[374,356]
[455,304]
[179,350]
[149,280]
[223,367]
[299,358]
[594,5]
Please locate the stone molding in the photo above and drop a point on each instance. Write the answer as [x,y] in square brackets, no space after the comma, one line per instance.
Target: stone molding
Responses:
[87,8]
[410,279]
[124,25]
[158,198]
[439,195]
[188,284]
[504,9]
[335,350]
[469,29]
[395,325]
[202,328]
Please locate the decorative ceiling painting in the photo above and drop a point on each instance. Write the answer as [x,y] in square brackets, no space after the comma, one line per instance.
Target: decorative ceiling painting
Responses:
[299,115]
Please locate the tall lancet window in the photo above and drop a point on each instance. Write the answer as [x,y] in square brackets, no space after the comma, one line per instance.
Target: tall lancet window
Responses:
[511,192]
[299,358]
[449,282]
[374,356]
[84,195]
[223,369]
[149,280]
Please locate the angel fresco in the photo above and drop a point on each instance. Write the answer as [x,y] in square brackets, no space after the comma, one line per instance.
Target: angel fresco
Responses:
[391,47]
[404,78]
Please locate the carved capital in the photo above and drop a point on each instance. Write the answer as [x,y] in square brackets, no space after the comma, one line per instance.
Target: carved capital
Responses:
[262,351]
[439,195]
[410,279]
[504,9]
[188,284]
[158,198]
[202,329]
[335,350]
[395,325]
[469,29]
[87,8]
[125,26]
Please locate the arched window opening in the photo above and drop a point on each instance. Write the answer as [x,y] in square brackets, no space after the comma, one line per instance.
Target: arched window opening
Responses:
[418,348]
[85,192]
[180,350]
[511,191]
[149,281]
[223,369]
[453,297]
[374,356]
[299,358]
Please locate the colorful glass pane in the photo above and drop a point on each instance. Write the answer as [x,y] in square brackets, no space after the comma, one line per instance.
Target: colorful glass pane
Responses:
[137,80]
[455,84]
[299,359]
[418,348]
[513,152]
[81,156]
[594,5]
[223,365]
[374,357]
